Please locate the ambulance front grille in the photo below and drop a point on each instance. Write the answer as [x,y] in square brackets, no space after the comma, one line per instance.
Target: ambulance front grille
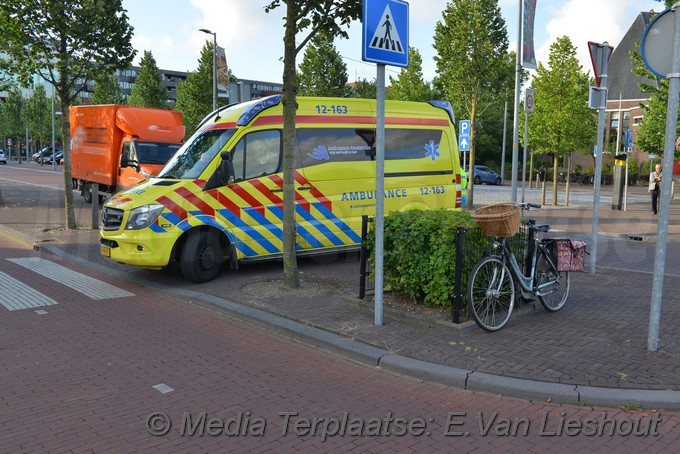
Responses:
[112,218]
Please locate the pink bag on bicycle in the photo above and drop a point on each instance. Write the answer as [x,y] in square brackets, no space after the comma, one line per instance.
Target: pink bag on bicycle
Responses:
[570,254]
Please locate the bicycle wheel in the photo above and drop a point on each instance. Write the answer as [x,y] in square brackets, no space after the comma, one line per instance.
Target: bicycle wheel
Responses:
[491,293]
[554,295]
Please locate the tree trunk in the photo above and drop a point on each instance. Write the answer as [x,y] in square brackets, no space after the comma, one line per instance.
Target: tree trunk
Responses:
[68,187]
[291,276]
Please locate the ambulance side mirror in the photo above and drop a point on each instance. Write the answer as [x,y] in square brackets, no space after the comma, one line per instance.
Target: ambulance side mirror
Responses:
[227,168]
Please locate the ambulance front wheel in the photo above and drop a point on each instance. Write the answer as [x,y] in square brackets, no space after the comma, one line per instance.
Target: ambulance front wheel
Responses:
[201,258]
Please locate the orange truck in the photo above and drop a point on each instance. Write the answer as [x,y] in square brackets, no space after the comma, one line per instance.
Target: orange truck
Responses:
[118,146]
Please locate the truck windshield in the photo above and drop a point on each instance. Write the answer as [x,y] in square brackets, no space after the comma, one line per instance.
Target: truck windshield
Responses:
[195,155]
[155,153]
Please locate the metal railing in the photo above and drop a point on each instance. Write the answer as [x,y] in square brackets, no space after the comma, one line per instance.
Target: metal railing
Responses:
[471,246]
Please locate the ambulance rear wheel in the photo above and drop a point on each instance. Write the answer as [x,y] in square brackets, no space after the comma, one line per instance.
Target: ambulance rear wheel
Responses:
[201,258]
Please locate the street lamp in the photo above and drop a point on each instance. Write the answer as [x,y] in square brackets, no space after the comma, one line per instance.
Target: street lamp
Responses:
[205,30]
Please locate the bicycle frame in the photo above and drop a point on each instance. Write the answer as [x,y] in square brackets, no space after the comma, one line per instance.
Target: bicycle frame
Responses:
[526,282]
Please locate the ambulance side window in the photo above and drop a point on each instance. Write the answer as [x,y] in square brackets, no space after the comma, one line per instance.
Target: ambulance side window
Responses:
[237,159]
[257,154]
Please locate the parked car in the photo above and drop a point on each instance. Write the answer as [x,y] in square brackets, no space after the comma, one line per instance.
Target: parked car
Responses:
[44,153]
[47,159]
[3,158]
[483,174]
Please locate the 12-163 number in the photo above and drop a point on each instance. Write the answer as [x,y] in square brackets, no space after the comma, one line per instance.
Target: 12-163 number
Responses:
[337,110]
[425,190]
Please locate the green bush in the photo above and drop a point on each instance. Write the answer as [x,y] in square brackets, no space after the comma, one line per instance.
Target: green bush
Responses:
[420,253]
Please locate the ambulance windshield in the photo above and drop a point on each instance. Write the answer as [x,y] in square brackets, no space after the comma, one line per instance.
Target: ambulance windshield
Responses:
[195,155]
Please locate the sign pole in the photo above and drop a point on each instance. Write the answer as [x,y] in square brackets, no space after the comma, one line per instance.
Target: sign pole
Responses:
[515,129]
[599,55]
[603,51]
[384,42]
[505,127]
[664,208]
[379,194]
[528,108]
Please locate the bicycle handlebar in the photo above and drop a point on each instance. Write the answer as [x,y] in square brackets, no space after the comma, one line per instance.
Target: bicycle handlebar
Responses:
[529,206]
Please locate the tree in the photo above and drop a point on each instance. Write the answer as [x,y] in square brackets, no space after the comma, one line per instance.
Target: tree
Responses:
[366,89]
[489,130]
[651,133]
[561,123]
[13,110]
[471,42]
[38,115]
[410,85]
[194,95]
[65,42]
[107,89]
[149,89]
[322,71]
[309,16]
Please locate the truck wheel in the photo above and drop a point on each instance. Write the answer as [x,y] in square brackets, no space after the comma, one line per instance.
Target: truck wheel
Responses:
[201,259]
[87,192]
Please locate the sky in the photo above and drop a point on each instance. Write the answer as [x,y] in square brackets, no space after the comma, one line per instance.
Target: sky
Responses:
[253,39]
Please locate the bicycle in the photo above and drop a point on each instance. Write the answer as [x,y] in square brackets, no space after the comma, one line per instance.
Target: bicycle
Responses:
[491,286]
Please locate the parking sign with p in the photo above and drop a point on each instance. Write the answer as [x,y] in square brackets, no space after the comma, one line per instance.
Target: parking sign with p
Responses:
[464,135]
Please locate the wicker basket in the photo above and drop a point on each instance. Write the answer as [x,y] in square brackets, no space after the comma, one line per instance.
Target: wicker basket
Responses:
[501,219]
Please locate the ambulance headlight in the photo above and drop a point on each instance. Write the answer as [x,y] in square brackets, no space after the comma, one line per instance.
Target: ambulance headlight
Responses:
[142,217]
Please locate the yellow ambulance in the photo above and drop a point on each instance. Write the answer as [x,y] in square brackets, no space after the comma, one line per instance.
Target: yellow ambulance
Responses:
[220,197]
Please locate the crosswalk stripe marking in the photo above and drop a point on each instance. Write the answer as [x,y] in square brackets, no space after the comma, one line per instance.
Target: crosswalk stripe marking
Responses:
[16,295]
[88,286]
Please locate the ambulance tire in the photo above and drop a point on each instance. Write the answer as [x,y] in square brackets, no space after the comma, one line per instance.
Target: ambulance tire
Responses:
[201,259]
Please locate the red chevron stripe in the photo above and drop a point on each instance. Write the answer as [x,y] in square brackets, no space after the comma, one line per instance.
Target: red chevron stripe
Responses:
[249,199]
[314,192]
[264,190]
[172,206]
[195,200]
[224,201]
[298,198]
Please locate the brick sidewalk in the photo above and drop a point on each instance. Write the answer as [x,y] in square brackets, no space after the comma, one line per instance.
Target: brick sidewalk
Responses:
[598,339]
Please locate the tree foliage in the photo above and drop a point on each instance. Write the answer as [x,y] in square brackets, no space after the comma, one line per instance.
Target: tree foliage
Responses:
[37,115]
[107,89]
[366,89]
[149,89]
[66,42]
[471,42]
[13,109]
[322,71]
[651,133]
[410,85]
[561,123]
[307,17]
[195,94]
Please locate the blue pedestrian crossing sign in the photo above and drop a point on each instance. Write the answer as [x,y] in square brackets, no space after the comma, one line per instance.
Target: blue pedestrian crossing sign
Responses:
[464,135]
[385,32]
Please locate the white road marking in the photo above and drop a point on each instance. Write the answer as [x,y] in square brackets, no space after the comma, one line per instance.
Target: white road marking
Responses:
[16,295]
[88,286]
